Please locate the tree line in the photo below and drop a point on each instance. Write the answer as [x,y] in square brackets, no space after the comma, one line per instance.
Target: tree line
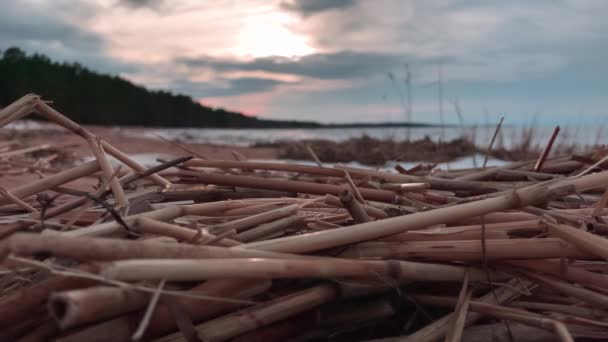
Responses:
[88,97]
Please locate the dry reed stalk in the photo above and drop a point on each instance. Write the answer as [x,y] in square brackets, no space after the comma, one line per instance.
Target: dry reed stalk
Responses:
[507,174]
[199,236]
[321,322]
[108,249]
[370,210]
[286,185]
[353,206]
[584,241]
[440,235]
[108,171]
[162,321]
[76,307]
[256,209]
[437,330]
[454,334]
[268,228]
[567,309]
[485,159]
[53,115]
[252,221]
[506,313]
[18,305]
[592,297]
[18,201]
[55,180]
[25,150]
[406,187]
[601,204]
[255,317]
[541,159]
[465,250]
[377,229]
[555,268]
[164,214]
[262,268]
[498,332]
[313,155]
[18,109]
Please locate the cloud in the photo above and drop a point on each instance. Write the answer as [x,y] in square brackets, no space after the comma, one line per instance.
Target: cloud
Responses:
[154,4]
[307,8]
[225,87]
[339,65]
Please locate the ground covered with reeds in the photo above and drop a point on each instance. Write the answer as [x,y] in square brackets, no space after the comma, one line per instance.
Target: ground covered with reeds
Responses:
[205,249]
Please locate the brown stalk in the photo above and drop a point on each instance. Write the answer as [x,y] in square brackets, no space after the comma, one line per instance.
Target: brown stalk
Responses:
[7,195]
[353,206]
[267,229]
[584,241]
[485,159]
[541,159]
[260,268]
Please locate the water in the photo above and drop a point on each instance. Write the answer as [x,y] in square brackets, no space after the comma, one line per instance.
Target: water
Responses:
[509,136]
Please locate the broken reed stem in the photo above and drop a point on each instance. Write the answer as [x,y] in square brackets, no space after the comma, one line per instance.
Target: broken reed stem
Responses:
[53,181]
[353,206]
[18,201]
[460,311]
[485,159]
[285,185]
[194,236]
[53,115]
[585,241]
[313,155]
[391,226]
[108,171]
[267,229]
[141,329]
[541,159]
[354,188]
[251,221]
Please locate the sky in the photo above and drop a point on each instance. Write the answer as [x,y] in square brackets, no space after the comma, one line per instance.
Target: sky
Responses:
[340,60]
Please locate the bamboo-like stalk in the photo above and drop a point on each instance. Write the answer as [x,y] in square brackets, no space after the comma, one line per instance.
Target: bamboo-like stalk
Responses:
[286,185]
[19,305]
[594,244]
[249,319]
[268,228]
[353,206]
[55,180]
[76,307]
[377,229]
[201,236]
[567,309]
[251,221]
[260,268]
[108,249]
[164,214]
[18,109]
[321,322]
[162,321]
[465,250]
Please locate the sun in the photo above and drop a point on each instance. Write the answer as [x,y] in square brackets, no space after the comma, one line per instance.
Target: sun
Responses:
[268,34]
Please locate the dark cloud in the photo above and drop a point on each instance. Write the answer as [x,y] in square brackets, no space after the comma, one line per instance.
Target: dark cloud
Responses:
[56,36]
[155,4]
[330,66]
[227,87]
[307,8]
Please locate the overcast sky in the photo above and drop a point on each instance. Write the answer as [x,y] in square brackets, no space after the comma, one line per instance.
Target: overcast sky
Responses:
[329,60]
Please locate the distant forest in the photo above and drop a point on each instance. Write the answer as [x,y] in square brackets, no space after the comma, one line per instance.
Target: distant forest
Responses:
[88,97]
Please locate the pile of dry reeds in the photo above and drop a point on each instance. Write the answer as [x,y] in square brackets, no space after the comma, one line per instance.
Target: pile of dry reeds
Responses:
[215,250]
